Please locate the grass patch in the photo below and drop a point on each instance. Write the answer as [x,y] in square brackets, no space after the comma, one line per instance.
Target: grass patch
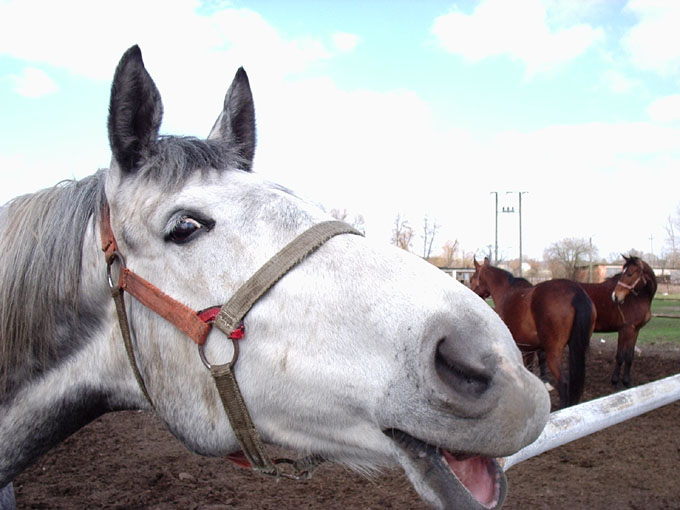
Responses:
[659,329]
[666,305]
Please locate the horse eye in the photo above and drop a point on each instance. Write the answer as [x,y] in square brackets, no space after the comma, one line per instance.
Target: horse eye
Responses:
[185,228]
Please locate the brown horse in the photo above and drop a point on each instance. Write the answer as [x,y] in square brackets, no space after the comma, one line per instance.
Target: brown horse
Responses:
[623,304]
[543,318]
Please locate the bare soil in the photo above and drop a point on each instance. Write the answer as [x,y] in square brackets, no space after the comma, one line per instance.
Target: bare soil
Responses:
[129,461]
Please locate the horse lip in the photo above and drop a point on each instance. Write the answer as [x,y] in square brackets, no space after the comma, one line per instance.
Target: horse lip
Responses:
[436,469]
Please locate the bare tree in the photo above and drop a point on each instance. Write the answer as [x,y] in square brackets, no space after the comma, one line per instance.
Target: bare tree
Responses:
[566,256]
[450,252]
[402,233]
[340,215]
[672,229]
[430,229]
[356,220]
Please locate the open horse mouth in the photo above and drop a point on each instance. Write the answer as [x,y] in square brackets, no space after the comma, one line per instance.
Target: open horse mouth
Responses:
[457,480]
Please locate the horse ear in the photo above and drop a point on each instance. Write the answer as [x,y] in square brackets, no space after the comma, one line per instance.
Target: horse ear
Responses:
[625,258]
[486,261]
[474,261]
[135,112]
[236,124]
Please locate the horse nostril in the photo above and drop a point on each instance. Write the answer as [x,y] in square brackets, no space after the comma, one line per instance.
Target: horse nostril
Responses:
[460,376]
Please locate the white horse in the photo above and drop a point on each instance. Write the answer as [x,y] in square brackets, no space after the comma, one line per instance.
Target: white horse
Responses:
[7,497]
[361,354]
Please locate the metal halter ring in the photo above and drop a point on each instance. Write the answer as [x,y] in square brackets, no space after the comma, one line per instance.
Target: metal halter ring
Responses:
[208,365]
[121,260]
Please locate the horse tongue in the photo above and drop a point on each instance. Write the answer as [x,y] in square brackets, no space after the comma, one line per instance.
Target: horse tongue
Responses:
[477,475]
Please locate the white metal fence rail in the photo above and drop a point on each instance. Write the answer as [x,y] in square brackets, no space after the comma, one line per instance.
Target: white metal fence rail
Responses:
[583,419]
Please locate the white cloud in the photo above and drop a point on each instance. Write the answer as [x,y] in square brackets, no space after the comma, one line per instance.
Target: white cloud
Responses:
[379,154]
[519,30]
[88,38]
[651,42]
[345,42]
[582,179]
[665,109]
[618,82]
[33,82]
[26,173]
[373,153]
[81,36]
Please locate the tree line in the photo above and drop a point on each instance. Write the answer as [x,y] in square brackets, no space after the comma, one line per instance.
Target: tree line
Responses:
[564,258]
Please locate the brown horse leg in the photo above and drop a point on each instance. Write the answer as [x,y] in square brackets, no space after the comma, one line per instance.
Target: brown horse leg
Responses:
[627,364]
[628,356]
[616,373]
[625,350]
[553,357]
[542,367]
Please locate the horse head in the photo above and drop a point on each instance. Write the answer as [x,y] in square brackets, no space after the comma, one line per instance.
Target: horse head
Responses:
[635,276]
[478,282]
[363,353]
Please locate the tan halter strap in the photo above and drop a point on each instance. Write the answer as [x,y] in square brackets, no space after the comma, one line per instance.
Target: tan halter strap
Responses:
[631,286]
[228,320]
[232,313]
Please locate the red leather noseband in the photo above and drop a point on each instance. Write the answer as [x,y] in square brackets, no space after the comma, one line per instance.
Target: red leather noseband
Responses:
[180,315]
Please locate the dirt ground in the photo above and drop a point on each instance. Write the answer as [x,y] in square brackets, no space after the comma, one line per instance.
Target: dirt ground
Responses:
[129,461]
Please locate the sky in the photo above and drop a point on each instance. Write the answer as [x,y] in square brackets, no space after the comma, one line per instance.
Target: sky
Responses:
[383,108]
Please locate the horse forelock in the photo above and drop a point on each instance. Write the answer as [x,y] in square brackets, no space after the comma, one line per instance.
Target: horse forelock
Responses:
[632,260]
[637,261]
[176,158]
[41,240]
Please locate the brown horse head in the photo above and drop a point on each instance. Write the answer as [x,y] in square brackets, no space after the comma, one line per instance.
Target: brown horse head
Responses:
[478,282]
[635,276]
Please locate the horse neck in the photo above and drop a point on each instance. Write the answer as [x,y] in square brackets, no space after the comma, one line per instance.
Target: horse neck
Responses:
[498,282]
[41,410]
[601,292]
[650,287]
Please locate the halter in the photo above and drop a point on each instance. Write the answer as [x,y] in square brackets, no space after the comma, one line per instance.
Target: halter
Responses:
[228,318]
[631,287]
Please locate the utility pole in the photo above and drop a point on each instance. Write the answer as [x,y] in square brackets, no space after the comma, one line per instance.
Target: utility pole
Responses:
[590,259]
[520,193]
[508,209]
[495,254]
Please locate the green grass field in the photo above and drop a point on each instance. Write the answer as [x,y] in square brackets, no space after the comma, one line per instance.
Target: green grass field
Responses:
[659,329]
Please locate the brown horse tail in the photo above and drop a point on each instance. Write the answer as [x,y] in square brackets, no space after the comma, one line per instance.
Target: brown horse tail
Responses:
[579,340]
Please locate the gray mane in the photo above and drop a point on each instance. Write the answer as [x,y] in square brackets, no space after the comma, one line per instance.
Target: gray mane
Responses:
[42,318]
[40,259]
